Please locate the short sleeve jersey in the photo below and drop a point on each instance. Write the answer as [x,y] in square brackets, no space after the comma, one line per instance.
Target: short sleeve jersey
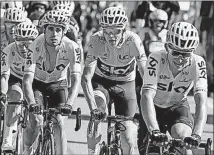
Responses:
[69,55]
[169,89]
[117,64]
[11,61]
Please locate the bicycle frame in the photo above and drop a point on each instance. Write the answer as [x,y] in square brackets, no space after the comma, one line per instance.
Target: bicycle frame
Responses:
[22,121]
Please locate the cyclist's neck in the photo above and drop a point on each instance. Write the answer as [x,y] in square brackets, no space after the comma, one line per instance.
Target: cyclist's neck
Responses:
[52,49]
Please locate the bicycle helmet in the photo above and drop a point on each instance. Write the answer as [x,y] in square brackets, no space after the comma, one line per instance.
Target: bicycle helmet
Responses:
[183,35]
[26,30]
[113,17]
[55,17]
[69,9]
[14,15]
[158,14]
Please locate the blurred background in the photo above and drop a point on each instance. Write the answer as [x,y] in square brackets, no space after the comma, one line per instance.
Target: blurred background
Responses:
[87,13]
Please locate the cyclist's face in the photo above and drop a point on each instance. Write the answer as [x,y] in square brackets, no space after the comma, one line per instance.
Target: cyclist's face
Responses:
[158,25]
[179,57]
[10,27]
[22,46]
[113,35]
[54,34]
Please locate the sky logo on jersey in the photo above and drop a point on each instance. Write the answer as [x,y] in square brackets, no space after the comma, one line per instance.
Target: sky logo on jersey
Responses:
[3,58]
[28,58]
[202,69]
[115,71]
[152,64]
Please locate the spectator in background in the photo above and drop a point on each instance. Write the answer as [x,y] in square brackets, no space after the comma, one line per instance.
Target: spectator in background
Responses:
[36,10]
[143,10]
[206,28]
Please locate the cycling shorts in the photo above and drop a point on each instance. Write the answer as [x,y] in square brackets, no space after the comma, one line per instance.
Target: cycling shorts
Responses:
[56,92]
[121,93]
[13,80]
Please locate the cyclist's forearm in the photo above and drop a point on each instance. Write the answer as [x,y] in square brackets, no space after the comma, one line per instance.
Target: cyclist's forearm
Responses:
[4,83]
[201,113]
[149,113]
[74,89]
[28,90]
[88,92]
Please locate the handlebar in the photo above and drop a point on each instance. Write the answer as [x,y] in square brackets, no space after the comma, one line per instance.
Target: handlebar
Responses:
[180,143]
[124,118]
[52,111]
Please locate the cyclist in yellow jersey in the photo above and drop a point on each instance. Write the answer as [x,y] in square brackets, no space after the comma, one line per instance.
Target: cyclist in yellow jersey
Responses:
[109,74]
[45,74]
[169,76]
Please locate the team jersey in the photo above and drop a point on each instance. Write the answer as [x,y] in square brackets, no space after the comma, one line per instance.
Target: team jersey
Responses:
[171,90]
[11,61]
[69,55]
[4,41]
[117,64]
[148,36]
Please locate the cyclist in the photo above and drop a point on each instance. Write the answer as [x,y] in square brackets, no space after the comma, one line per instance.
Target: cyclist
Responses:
[12,17]
[153,37]
[12,60]
[49,56]
[169,76]
[110,68]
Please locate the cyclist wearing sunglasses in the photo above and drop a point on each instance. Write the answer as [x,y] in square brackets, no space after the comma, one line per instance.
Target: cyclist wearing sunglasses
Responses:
[109,74]
[45,74]
[169,76]
[12,64]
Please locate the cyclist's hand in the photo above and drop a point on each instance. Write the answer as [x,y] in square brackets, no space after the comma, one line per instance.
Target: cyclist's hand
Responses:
[193,141]
[158,138]
[36,108]
[66,108]
[98,114]
[3,98]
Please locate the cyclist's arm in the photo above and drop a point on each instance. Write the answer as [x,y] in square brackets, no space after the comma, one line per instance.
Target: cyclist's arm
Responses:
[88,72]
[5,69]
[29,71]
[75,78]
[149,89]
[200,96]
[139,54]
[148,109]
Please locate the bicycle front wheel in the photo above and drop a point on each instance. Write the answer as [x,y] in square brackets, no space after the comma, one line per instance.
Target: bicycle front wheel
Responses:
[49,145]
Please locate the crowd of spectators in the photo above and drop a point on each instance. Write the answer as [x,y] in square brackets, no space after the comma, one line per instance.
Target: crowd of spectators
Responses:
[87,13]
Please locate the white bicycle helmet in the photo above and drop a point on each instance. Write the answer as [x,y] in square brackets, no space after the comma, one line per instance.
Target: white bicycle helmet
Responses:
[55,17]
[14,15]
[183,35]
[26,30]
[158,14]
[113,17]
[69,9]
[45,3]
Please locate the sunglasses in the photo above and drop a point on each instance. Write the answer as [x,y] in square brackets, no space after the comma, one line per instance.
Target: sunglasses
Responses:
[23,44]
[112,31]
[159,21]
[176,53]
